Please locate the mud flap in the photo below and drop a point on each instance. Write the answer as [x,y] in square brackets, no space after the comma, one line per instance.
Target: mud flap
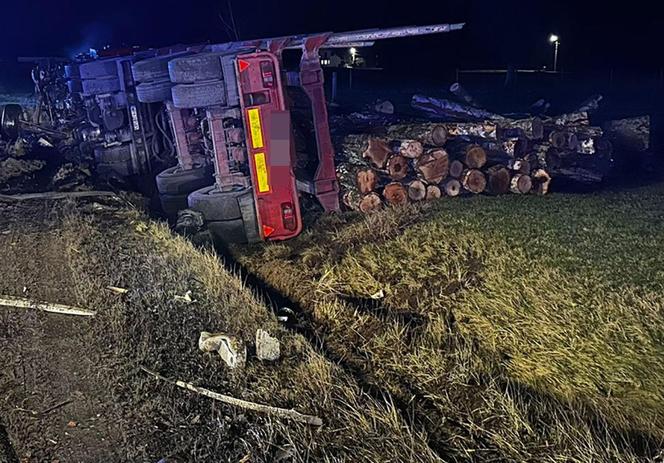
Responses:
[248,210]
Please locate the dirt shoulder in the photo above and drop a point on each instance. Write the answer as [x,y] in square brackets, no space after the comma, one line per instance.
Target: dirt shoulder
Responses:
[71,388]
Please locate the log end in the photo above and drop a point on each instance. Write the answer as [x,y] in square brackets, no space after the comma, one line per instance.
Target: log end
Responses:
[395,194]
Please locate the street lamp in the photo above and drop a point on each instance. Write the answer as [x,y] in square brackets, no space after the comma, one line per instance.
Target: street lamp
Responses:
[353,54]
[555,40]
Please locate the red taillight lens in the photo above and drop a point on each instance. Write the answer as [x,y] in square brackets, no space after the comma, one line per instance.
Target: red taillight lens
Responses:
[288,216]
[267,72]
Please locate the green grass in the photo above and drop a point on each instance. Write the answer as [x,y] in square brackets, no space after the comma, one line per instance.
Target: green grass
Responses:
[543,322]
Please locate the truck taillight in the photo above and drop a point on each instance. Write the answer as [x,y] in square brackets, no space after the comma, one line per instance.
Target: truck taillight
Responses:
[288,216]
[267,71]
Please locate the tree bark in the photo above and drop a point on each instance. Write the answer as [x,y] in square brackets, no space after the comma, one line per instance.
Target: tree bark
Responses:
[427,133]
[411,149]
[446,109]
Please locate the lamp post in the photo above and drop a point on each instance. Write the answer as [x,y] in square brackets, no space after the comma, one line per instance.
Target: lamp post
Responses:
[555,40]
[353,54]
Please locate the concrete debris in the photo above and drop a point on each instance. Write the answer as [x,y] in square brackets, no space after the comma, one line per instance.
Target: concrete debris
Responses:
[232,350]
[267,347]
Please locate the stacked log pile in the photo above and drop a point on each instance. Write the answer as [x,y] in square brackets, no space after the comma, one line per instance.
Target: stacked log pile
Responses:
[419,161]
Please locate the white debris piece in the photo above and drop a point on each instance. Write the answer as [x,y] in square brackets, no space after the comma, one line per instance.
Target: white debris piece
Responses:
[231,349]
[267,347]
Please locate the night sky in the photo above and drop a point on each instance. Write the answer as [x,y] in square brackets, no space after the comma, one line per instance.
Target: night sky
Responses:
[593,34]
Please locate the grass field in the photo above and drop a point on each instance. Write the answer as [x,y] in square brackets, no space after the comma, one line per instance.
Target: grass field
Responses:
[68,253]
[518,328]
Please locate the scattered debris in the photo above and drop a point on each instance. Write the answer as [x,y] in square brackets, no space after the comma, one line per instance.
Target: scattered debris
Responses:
[232,350]
[12,168]
[72,424]
[384,107]
[285,314]
[8,301]
[280,412]
[51,195]
[186,298]
[117,290]
[267,347]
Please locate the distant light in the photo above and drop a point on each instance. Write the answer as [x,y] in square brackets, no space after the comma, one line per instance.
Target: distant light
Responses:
[353,51]
[554,38]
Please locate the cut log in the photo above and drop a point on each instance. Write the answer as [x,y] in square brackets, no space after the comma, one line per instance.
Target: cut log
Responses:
[433,192]
[474,181]
[427,133]
[367,180]
[485,130]
[417,190]
[395,194]
[521,166]
[377,152]
[532,128]
[558,139]
[541,181]
[450,110]
[475,157]
[521,184]
[499,179]
[458,91]
[370,203]
[433,166]
[452,187]
[397,167]
[579,118]
[411,149]
[456,169]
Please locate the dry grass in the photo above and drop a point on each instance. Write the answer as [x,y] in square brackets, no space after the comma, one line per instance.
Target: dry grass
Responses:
[516,329]
[70,253]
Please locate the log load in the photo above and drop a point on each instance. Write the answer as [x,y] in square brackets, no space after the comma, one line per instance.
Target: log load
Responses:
[362,203]
[433,166]
[411,149]
[427,133]
[474,157]
[395,194]
[473,180]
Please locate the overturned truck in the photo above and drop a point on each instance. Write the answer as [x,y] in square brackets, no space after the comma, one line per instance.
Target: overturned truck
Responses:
[225,113]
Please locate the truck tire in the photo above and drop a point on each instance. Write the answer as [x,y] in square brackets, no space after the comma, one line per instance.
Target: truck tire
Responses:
[10,118]
[196,68]
[189,96]
[92,87]
[228,231]
[172,204]
[99,69]
[216,205]
[113,154]
[176,181]
[156,68]
[154,92]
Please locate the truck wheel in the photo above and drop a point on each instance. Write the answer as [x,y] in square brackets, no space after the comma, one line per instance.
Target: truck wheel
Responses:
[93,87]
[218,205]
[176,181]
[99,69]
[121,153]
[228,231]
[196,68]
[154,92]
[172,204]
[189,96]
[10,121]
[155,68]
